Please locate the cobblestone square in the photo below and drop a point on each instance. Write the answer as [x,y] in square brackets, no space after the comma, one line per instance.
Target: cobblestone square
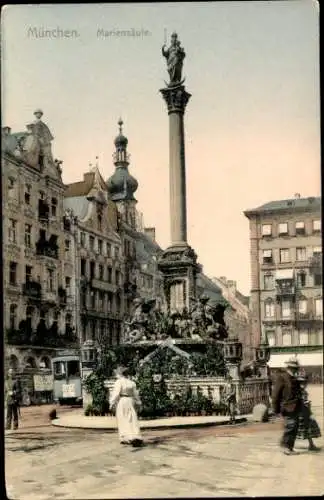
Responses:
[45,463]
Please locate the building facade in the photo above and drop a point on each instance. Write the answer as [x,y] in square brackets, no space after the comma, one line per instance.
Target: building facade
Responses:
[238,317]
[286,276]
[36,318]
[94,259]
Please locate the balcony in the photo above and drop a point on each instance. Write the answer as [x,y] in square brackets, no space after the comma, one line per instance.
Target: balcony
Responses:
[285,290]
[315,263]
[105,286]
[32,290]
[50,297]
[47,249]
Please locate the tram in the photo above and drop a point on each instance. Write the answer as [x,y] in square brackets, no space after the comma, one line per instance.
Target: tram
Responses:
[67,377]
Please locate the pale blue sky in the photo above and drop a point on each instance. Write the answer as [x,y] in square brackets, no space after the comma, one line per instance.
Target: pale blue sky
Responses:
[252,124]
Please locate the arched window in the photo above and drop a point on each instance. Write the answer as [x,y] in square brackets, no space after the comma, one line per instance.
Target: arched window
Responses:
[45,362]
[13,362]
[30,362]
[13,316]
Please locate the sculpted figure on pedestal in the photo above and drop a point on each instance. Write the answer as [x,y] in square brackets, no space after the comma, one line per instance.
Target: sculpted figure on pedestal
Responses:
[175,56]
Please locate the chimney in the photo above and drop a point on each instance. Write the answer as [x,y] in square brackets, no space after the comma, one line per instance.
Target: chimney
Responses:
[150,232]
[297,196]
[6,130]
[223,279]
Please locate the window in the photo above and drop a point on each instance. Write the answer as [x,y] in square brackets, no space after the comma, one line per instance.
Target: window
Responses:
[67,248]
[50,280]
[29,317]
[302,307]
[13,273]
[42,195]
[82,239]
[100,247]
[73,368]
[284,255]
[283,228]
[28,274]
[92,243]
[109,274]
[92,270]
[285,309]
[54,207]
[12,232]
[116,253]
[83,267]
[68,285]
[316,226]
[99,222]
[301,280]
[317,279]
[108,249]
[318,308]
[11,187]
[303,337]
[59,370]
[269,309]
[101,300]
[301,254]
[267,257]
[28,235]
[300,227]
[271,337]
[117,277]
[268,282]
[13,316]
[286,338]
[317,250]
[110,300]
[28,189]
[93,296]
[101,272]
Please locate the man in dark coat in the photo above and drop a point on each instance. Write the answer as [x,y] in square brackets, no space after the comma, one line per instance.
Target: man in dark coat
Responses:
[286,400]
[13,396]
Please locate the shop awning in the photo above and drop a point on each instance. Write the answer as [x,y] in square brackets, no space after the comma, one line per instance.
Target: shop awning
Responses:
[284,274]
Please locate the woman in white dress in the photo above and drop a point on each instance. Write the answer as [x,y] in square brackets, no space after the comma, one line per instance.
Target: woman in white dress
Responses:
[125,398]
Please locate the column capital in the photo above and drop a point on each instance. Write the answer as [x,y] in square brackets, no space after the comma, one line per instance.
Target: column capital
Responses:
[176,98]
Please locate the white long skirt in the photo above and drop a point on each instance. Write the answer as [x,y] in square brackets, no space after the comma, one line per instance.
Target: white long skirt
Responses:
[127,421]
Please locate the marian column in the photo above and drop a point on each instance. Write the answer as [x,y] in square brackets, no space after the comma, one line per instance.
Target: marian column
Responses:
[179,262]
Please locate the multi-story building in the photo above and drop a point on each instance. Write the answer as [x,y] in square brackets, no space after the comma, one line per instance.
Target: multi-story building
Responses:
[36,320]
[94,259]
[238,316]
[286,276]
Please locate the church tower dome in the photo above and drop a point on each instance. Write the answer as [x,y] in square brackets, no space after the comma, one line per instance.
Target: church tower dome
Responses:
[121,185]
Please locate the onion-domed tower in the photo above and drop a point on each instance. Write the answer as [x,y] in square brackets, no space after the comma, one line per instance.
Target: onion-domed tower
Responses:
[121,185]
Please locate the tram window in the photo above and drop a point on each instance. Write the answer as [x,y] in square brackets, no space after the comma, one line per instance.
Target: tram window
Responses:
[73,369]
[59,369]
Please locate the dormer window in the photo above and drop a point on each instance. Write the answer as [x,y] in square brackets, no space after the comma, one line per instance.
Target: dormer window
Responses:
[283,229]
[300,228]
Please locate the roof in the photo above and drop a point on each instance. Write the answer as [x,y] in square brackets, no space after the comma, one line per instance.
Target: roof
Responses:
[82,188]
[209,288]
[79,205]
[312,202]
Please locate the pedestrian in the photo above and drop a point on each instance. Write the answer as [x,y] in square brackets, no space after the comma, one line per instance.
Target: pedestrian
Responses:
[125,400]
[308,428]
[13,397]
[230,399]
[286,400]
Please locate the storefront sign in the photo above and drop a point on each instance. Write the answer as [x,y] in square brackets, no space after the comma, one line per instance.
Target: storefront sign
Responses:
[43,383]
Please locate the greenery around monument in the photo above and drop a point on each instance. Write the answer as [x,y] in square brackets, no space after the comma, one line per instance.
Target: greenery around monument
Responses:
[193,352]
